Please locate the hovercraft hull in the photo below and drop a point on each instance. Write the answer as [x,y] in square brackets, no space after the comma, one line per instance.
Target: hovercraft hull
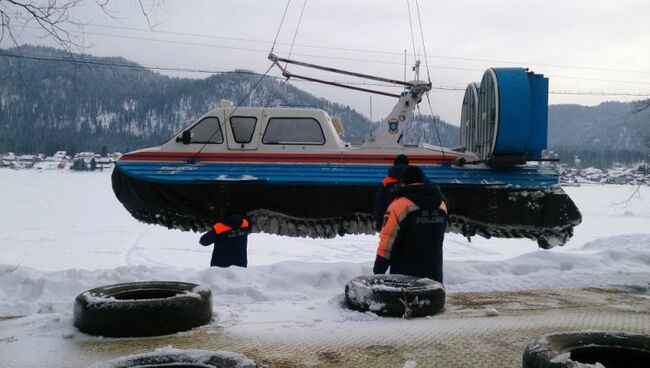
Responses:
[320,196]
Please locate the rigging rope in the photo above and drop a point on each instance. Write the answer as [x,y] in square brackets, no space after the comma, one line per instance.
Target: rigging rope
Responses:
[435,125]
[424,47]
[426,63]
[286,80]
[304,3]
[280,27]
[408,6]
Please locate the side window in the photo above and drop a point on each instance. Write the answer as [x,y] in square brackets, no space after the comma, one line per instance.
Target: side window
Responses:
[243,128]
[207,131]
[293,131]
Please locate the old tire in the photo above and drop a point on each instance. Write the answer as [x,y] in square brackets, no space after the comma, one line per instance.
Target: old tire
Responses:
[142,308]
[180,358]
[395,295]
[585,349]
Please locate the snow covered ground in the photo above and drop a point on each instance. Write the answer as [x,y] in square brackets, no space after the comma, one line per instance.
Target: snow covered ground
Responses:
[63,232]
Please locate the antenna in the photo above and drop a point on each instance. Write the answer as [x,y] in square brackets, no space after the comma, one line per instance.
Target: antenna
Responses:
[404,65]
[416,69]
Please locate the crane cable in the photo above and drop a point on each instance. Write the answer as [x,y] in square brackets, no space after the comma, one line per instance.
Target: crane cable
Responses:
[304,3]
[295,33]
[275,40]
[424,47]
[426,63]
[408,7]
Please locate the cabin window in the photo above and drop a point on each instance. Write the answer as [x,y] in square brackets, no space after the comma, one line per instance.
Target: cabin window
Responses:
[293,131]
[207,131]
[243,128]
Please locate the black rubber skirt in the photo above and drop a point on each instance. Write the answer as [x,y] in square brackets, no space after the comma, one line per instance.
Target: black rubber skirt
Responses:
[544,214]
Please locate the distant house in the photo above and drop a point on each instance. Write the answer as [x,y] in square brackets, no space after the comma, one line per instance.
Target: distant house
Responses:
[8,160]
[104,161]
[59,160]
[61,155]
[86,156]
[27,161]
[79,164]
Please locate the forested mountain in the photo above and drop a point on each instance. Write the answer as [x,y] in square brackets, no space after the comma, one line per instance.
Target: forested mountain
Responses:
[610,125]
[422,129]
[599,135]
[47,106]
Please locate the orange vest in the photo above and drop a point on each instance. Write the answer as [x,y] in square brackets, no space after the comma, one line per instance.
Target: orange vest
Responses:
[388,180]
[220,227]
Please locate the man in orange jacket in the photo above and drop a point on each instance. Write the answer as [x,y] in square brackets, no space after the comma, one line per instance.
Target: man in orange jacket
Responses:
[411,238]
[230,239]
[388,189]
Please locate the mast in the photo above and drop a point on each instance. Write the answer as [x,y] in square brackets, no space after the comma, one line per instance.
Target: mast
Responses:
[390,130]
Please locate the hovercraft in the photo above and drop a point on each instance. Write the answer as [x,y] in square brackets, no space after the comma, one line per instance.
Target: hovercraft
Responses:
[291,173]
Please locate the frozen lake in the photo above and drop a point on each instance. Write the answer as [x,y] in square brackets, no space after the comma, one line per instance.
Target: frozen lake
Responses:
[62,233]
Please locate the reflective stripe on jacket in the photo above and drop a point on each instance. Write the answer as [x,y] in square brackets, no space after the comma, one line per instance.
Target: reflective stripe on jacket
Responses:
[397,211]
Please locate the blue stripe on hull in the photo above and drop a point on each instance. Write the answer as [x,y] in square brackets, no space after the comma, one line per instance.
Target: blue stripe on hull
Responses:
[184,173]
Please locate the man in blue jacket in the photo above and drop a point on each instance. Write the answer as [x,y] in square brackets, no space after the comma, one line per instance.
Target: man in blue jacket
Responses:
[410,242]
[388,189]
[230,239]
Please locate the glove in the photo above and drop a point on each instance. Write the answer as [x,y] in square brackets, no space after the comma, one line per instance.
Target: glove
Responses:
[381,265]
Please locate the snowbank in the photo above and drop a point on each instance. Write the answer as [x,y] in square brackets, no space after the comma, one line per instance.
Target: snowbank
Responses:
[619,260]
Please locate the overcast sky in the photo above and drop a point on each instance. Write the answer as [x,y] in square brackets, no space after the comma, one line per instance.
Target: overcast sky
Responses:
[582,46]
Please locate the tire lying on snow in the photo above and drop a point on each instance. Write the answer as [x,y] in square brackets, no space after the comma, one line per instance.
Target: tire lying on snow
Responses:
[585,349]
[395,295]
[168,357]
[142,308]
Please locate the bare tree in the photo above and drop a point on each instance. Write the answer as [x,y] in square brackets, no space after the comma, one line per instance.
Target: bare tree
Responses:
[146,7]
[51,16]
[54,18]
[639,106]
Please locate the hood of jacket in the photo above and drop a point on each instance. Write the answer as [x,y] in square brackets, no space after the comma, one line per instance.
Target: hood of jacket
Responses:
[426,196]
[233,220]
[397,171]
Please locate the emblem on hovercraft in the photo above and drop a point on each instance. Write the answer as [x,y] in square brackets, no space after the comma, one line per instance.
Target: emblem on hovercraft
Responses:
[393,126]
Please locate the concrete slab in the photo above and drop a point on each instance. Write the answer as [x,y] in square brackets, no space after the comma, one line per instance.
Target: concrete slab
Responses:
[467,334]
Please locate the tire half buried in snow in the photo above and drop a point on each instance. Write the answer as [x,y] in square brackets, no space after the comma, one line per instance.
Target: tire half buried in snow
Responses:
[142,308]
[168,357]
[395,295]
[586,349]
